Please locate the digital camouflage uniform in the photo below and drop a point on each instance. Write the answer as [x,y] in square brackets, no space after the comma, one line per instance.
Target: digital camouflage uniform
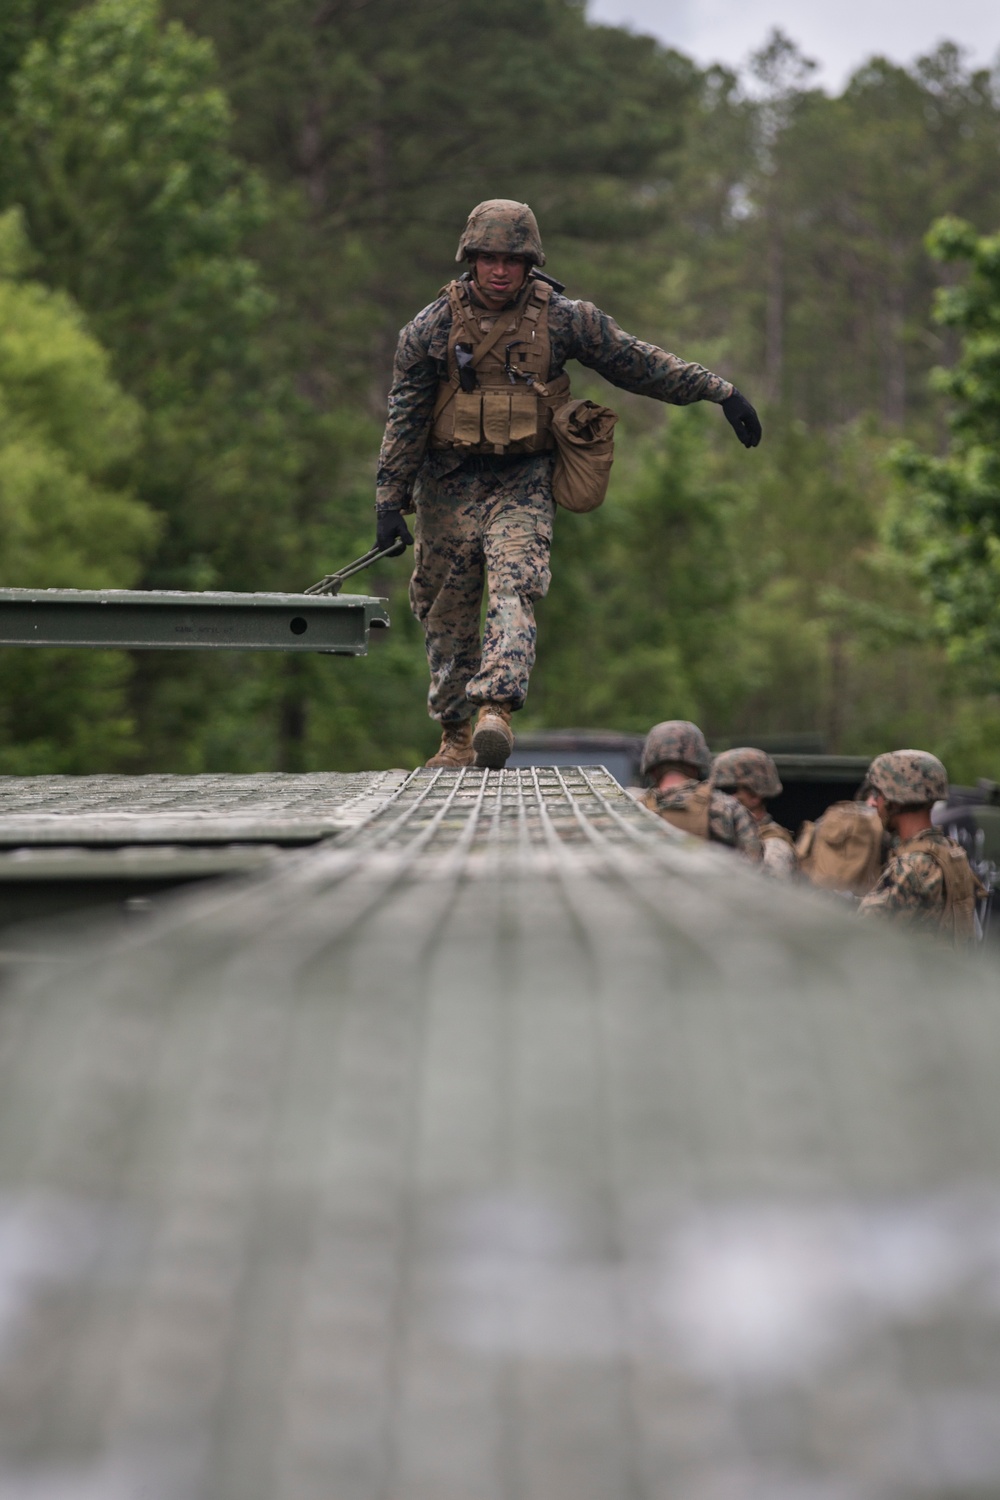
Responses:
[928,882]
[780,859]
[754,769]
[729,822]
[691,805]
[912,886]
[491,517]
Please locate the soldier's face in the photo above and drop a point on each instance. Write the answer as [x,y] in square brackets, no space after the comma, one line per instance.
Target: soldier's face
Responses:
[884,811]
[499,277]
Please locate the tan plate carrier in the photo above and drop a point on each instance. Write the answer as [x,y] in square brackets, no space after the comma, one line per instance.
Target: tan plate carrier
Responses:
[500,416]
[961,886]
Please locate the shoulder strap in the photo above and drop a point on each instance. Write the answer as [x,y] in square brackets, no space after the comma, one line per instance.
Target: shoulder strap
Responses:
[485,344]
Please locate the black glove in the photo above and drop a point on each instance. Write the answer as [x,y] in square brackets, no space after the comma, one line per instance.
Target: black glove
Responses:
[391,528]
[742,419]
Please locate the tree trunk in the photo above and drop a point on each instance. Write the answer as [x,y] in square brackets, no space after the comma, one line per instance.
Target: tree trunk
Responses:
[892,321]
[774,324]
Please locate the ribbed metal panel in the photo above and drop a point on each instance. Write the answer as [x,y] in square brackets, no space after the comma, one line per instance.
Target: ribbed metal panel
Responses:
[504,1148]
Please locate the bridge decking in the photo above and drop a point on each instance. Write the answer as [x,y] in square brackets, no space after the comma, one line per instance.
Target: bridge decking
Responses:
[501,1146]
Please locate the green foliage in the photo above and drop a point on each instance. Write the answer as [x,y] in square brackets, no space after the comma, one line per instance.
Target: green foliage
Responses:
[951,527]
[67,433]
[123,171]
[139,207]
[750,593]
[651,580]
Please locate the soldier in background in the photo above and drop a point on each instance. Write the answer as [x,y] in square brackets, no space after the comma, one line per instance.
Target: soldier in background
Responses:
[468,445]
[677,760]
[752,777]
[927,882]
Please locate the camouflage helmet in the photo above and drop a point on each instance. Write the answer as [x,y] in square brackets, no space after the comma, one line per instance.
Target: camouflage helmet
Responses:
[500,226]
[753,769]
[676,741]
[909,778]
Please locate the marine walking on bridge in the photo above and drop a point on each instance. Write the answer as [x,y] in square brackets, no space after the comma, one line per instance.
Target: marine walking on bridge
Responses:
[470,447]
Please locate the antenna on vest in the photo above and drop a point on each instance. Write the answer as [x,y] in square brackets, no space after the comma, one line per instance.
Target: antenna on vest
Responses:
[557,286]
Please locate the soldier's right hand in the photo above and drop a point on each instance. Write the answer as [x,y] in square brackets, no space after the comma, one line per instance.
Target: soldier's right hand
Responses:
[391,531]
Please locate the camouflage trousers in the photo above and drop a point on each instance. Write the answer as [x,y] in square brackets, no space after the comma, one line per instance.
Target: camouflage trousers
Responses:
[474,527]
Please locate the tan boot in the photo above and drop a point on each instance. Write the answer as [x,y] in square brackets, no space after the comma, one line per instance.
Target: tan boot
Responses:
[494,739]
[456,747]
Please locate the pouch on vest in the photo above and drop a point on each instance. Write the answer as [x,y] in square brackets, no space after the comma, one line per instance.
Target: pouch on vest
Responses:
[523,417]
[585,447]
[468,416]
[843,850]
[496,418]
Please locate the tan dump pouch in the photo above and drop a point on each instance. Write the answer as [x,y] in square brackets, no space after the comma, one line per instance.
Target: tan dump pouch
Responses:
[693,818]
[585,446]
[961,887]
[843,850]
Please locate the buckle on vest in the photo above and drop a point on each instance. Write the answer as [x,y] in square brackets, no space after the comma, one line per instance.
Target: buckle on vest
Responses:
[512,373]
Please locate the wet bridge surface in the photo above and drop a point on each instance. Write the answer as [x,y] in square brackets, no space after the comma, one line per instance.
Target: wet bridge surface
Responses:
[496,1144]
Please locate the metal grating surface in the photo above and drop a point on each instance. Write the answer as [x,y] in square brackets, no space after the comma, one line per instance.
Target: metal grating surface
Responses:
[101,810]
[505,1148]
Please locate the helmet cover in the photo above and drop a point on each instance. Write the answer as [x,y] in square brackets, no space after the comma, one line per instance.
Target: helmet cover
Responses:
[501,226]
[676,741]
[747,767]
[909,778]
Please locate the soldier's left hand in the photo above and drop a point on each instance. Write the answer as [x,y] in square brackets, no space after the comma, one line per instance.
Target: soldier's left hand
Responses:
[742,419]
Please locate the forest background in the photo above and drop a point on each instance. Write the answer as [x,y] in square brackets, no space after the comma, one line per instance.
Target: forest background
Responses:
[215,217]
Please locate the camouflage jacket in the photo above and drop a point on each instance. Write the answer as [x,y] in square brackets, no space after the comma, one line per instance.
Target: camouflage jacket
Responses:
[911,887]
[577,330]
[780,858]
[728,820]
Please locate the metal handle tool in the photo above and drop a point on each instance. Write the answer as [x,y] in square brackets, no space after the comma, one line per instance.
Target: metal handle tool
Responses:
[331,584]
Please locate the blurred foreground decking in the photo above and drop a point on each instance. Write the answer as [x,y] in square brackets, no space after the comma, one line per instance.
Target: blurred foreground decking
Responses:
[496,1144]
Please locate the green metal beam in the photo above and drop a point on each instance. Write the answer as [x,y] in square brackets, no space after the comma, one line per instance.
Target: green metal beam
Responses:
[154,621]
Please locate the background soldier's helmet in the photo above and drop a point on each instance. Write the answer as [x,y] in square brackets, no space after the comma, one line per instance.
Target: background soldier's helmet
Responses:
[500,226]
[676,741]
[909,778]
[746,767]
